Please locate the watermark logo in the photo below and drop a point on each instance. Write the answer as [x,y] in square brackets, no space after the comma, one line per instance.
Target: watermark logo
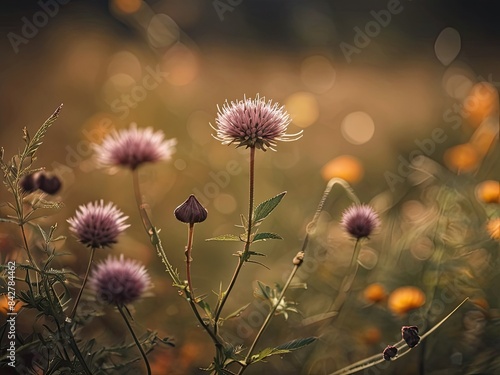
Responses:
[31,27]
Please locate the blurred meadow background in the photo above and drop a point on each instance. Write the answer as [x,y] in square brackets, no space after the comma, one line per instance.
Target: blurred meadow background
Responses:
[398,98]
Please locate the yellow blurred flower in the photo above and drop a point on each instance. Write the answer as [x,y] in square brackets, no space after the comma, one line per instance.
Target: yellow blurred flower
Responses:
[493,228]
[488,191]
[345,167]
[461,158]
[375,292]
[405,298]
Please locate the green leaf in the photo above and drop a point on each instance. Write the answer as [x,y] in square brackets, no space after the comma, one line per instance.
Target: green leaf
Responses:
[297,344]
[265,208]
[237,313]
[266,236]
[205,306]
[283,349]
[32,144]
[224,237]
[264,291]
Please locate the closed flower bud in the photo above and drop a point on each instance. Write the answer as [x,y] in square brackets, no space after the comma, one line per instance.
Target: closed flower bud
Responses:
[29,183]
[390,352]
[191,211]
[48,184]
[410,335]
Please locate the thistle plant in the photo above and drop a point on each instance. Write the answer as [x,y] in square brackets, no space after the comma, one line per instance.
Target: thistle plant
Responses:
[57,343]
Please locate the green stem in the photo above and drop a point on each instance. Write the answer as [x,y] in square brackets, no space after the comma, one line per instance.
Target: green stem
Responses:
[25,240]
[244,255]
[139,346]
[73,312]
[268,319]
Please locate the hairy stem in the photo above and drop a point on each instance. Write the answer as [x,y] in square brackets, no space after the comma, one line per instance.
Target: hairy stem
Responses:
[243,255]
[189,247]
[73,312]
[139,346]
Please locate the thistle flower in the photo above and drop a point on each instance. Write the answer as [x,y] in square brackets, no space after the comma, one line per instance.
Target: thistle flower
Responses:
[191,211]
[49,184]
[360,221]
[119,281]
[133,147]
[96,225]
[29,183]
[493,228]
[253,123]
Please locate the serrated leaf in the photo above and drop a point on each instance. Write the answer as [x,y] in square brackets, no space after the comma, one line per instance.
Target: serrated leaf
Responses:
[237,313]
[266,207]
[266,236]
[224,237]
[297,344]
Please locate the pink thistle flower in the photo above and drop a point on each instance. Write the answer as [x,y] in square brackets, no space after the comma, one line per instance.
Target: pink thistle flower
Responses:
[253,123]
[360,221]
[133,147]
[119,281]
[96,225]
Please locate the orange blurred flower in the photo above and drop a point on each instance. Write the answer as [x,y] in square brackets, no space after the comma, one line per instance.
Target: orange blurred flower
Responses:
[461,158]
[481,102]
[346,167]
[493,228]
[4,305]
[371,335]
[405,299]
[488,191]
[375,292]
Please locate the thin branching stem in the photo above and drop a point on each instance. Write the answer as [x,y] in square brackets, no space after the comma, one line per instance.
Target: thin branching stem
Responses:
[73,312]
[139,346]
[246,249]
[268,319]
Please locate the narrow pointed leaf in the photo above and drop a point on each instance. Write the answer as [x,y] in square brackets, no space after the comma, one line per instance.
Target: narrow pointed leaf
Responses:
[297,344]
[237,313]
[266,236]
[265,208]
[224,237]
[263,291]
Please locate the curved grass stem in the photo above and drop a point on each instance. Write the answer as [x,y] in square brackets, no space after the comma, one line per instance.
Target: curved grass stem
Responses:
[73,312]
[139,346]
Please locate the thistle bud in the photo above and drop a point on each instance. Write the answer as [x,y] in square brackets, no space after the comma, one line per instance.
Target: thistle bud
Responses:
[48,184]
[410,335]
[390,352]
[29,183]
[191,211]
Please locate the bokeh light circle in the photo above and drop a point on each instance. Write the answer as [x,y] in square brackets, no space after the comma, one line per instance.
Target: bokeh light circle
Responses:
[357,127]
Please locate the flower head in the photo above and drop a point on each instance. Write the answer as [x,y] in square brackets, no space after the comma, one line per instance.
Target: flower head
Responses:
[390,352]
[405,298]
[493,228]
[133,147]
[119,281]
[253,123]
[191,211]
[410,335]
[96,225]
[360,221]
